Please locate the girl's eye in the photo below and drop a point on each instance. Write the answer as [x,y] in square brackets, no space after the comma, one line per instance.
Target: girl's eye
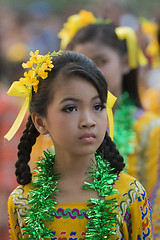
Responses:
[69,108]
[100,62]
[99,107]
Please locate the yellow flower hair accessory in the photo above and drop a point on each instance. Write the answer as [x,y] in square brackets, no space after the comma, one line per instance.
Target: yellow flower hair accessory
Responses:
[73,24]
[37,66]
[135,54]
[110,102]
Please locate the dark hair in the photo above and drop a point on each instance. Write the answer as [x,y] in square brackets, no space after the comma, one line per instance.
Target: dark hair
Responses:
[105,34]
[66,65]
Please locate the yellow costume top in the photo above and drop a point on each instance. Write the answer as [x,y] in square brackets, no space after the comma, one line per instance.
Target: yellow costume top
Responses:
[143,153]
[144,163]
[151,99]
[133,213]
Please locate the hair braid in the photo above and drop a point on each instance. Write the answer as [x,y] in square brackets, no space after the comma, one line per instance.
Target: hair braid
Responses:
[111,154]
[27,140]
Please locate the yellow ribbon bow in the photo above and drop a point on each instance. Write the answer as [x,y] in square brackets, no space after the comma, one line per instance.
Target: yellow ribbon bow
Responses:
[110,102]
[17,89]
[38,66]
[135,54]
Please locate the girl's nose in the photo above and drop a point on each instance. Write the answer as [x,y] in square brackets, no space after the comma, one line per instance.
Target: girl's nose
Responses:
[87,122]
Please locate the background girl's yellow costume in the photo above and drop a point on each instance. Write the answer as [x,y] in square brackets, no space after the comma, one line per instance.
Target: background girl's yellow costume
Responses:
[70,218]
[141,152]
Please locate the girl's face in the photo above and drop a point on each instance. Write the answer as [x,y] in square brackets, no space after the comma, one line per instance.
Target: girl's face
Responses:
[76,119]
[109,61]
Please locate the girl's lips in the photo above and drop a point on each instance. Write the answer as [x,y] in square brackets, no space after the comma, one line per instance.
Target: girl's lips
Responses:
[88,137]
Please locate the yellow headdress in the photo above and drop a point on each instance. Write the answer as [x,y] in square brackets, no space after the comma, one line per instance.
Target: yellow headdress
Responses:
[73,24]
[38,65]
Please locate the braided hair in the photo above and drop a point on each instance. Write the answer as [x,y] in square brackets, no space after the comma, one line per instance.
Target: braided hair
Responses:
[68,64]
[110,153]
[27,140]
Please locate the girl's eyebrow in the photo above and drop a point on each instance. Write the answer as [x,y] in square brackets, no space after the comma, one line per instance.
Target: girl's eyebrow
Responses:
[69,99]
[75,99]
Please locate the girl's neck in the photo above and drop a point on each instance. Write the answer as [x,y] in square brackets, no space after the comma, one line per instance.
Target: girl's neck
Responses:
[72,165]
[72,172]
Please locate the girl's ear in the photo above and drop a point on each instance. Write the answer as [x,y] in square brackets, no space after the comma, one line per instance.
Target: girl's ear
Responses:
[125,65]
[39,123]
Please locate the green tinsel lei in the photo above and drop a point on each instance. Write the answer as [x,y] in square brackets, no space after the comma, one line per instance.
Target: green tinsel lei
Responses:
[102,219]
[42,200]
[123,126]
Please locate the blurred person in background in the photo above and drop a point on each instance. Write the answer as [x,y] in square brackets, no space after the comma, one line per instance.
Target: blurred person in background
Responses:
[120,13]
[147,31]
[116,52]
[151,87]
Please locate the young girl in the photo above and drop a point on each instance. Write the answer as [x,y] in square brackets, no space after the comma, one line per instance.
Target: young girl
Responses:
[79,192]
[136,131]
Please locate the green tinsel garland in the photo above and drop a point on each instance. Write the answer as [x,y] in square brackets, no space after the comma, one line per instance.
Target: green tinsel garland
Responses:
[100,212]
[42,200]
[123,126]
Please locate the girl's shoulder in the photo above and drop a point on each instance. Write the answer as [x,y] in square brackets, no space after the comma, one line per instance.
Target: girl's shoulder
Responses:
[130,194]
[128,186]
[133,210]
[20,195]
[124,178]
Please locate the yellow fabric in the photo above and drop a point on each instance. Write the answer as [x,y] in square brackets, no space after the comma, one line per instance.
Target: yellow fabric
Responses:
[18,90]
[133,213]
[135,54]
[151,99]
[110,102]
[143,164]
[152,50]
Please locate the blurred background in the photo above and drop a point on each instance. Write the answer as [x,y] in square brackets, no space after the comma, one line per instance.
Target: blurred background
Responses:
[30,25]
